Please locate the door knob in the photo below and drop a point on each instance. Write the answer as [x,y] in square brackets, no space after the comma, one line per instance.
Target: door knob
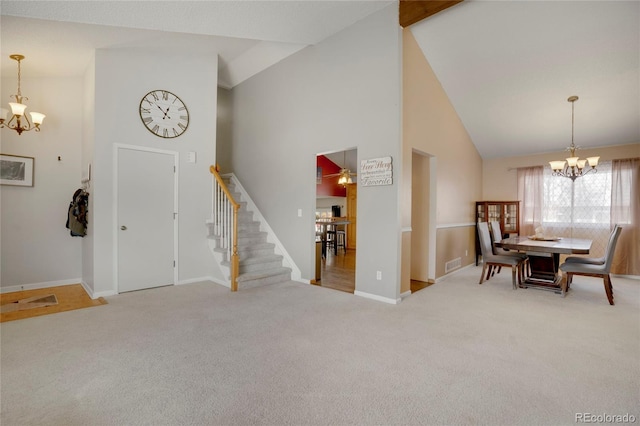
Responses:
[124,228]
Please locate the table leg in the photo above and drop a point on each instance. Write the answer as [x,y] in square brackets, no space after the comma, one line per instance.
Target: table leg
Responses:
[544,272]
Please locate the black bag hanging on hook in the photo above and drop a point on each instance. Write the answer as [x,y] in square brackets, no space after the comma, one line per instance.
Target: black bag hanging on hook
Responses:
[77,213]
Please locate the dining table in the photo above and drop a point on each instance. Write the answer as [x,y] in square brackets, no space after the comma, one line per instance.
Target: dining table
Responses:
[544,257]
[324,224]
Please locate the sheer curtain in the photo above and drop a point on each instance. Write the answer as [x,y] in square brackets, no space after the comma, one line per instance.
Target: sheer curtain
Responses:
[530,192]
[625,211]
[580,208]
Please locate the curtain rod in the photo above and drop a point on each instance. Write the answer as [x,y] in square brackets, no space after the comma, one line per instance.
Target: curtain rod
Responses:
[510,169]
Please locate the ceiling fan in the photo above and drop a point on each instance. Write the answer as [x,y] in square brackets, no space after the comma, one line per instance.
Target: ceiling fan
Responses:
[344,173]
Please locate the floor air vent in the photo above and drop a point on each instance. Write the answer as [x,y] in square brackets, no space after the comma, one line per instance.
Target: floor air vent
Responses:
[452,264]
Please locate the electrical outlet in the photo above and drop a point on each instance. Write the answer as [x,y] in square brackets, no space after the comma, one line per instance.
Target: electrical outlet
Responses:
[466,252]
[378,275]
[299,212]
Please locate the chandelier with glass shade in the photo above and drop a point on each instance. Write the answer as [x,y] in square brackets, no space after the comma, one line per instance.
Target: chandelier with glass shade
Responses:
[573,167]
[345,177]
[19,121]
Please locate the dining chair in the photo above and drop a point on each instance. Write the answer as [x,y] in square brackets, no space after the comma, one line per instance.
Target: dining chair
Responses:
[496,233]
[593,269]
[490,259]
[593,260]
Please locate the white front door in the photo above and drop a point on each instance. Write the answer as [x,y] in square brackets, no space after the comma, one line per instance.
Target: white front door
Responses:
[146,206]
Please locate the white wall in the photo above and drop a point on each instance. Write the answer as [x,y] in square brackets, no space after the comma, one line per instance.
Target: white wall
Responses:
[324,204]
[224,146]
[122,78]
[37,250]
[88,140]
[343,92]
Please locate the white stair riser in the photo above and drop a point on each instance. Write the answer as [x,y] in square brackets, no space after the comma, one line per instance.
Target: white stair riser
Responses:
[255,267]
[264,281]
[251,254]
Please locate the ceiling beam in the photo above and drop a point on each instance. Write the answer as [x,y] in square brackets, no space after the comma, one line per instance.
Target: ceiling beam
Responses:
[412,11]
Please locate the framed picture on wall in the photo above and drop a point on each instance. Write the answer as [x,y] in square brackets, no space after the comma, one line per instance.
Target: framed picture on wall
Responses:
[16,170]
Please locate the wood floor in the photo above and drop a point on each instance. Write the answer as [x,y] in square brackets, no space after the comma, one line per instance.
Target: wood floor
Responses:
[338,272]
[69,297]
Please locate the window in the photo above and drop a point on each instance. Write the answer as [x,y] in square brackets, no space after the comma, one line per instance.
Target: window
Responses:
[585,202]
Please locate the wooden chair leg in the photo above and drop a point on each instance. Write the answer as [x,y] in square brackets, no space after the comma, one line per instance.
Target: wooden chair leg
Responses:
[608,288]
[484,267]
[489,270]
[513,276]
[564,284]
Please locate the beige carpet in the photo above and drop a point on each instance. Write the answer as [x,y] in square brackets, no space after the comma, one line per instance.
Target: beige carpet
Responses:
[455,353]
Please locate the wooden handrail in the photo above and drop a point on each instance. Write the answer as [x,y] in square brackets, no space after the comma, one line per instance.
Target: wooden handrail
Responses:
[235,263]
[214,172]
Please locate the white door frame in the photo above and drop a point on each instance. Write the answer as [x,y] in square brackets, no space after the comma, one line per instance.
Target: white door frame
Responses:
[176,157]
[431,261]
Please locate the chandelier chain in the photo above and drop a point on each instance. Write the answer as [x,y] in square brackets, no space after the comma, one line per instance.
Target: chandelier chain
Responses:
[19,78]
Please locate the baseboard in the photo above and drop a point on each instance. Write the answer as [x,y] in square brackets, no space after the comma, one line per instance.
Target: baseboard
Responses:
[405,294]
[196,280]
[303,281]
[377,298]
[444,277]
[226,284]
[35,286]
[218,281]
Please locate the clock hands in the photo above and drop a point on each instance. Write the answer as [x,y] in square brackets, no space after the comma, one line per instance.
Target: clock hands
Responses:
[164,112]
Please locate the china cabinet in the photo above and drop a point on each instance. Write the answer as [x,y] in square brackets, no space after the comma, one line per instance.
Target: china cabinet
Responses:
[507,213]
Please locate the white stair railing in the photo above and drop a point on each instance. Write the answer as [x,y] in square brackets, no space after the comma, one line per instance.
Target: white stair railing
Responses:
[225,223]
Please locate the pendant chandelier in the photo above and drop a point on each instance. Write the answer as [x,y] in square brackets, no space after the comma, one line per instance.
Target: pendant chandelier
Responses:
[345,174]
[573,167]
[19,121]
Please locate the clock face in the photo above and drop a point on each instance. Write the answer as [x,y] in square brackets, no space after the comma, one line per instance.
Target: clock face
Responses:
[164,114]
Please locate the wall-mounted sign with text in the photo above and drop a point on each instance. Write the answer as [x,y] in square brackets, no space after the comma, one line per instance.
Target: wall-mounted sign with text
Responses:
[376,171]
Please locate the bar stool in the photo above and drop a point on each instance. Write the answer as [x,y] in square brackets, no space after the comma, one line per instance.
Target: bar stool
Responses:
[340,240]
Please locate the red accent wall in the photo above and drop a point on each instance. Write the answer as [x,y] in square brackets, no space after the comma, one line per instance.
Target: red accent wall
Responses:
[329,186]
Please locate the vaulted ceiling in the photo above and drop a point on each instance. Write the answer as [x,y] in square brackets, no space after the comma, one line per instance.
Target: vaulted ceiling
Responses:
[58,37]
[507,67]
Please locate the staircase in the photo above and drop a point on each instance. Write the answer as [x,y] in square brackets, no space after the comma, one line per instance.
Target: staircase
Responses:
[259,265]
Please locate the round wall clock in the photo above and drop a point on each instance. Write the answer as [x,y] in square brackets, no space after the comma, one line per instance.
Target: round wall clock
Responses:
[164,114]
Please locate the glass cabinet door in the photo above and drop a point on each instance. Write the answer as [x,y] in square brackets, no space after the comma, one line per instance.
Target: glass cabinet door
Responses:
[480,213]
[494,212]
[510,218]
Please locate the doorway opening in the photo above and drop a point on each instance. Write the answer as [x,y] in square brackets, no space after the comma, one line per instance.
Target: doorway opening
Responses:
[423,220]
[336,220]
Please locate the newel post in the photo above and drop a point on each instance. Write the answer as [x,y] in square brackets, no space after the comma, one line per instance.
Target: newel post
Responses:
[235,263]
